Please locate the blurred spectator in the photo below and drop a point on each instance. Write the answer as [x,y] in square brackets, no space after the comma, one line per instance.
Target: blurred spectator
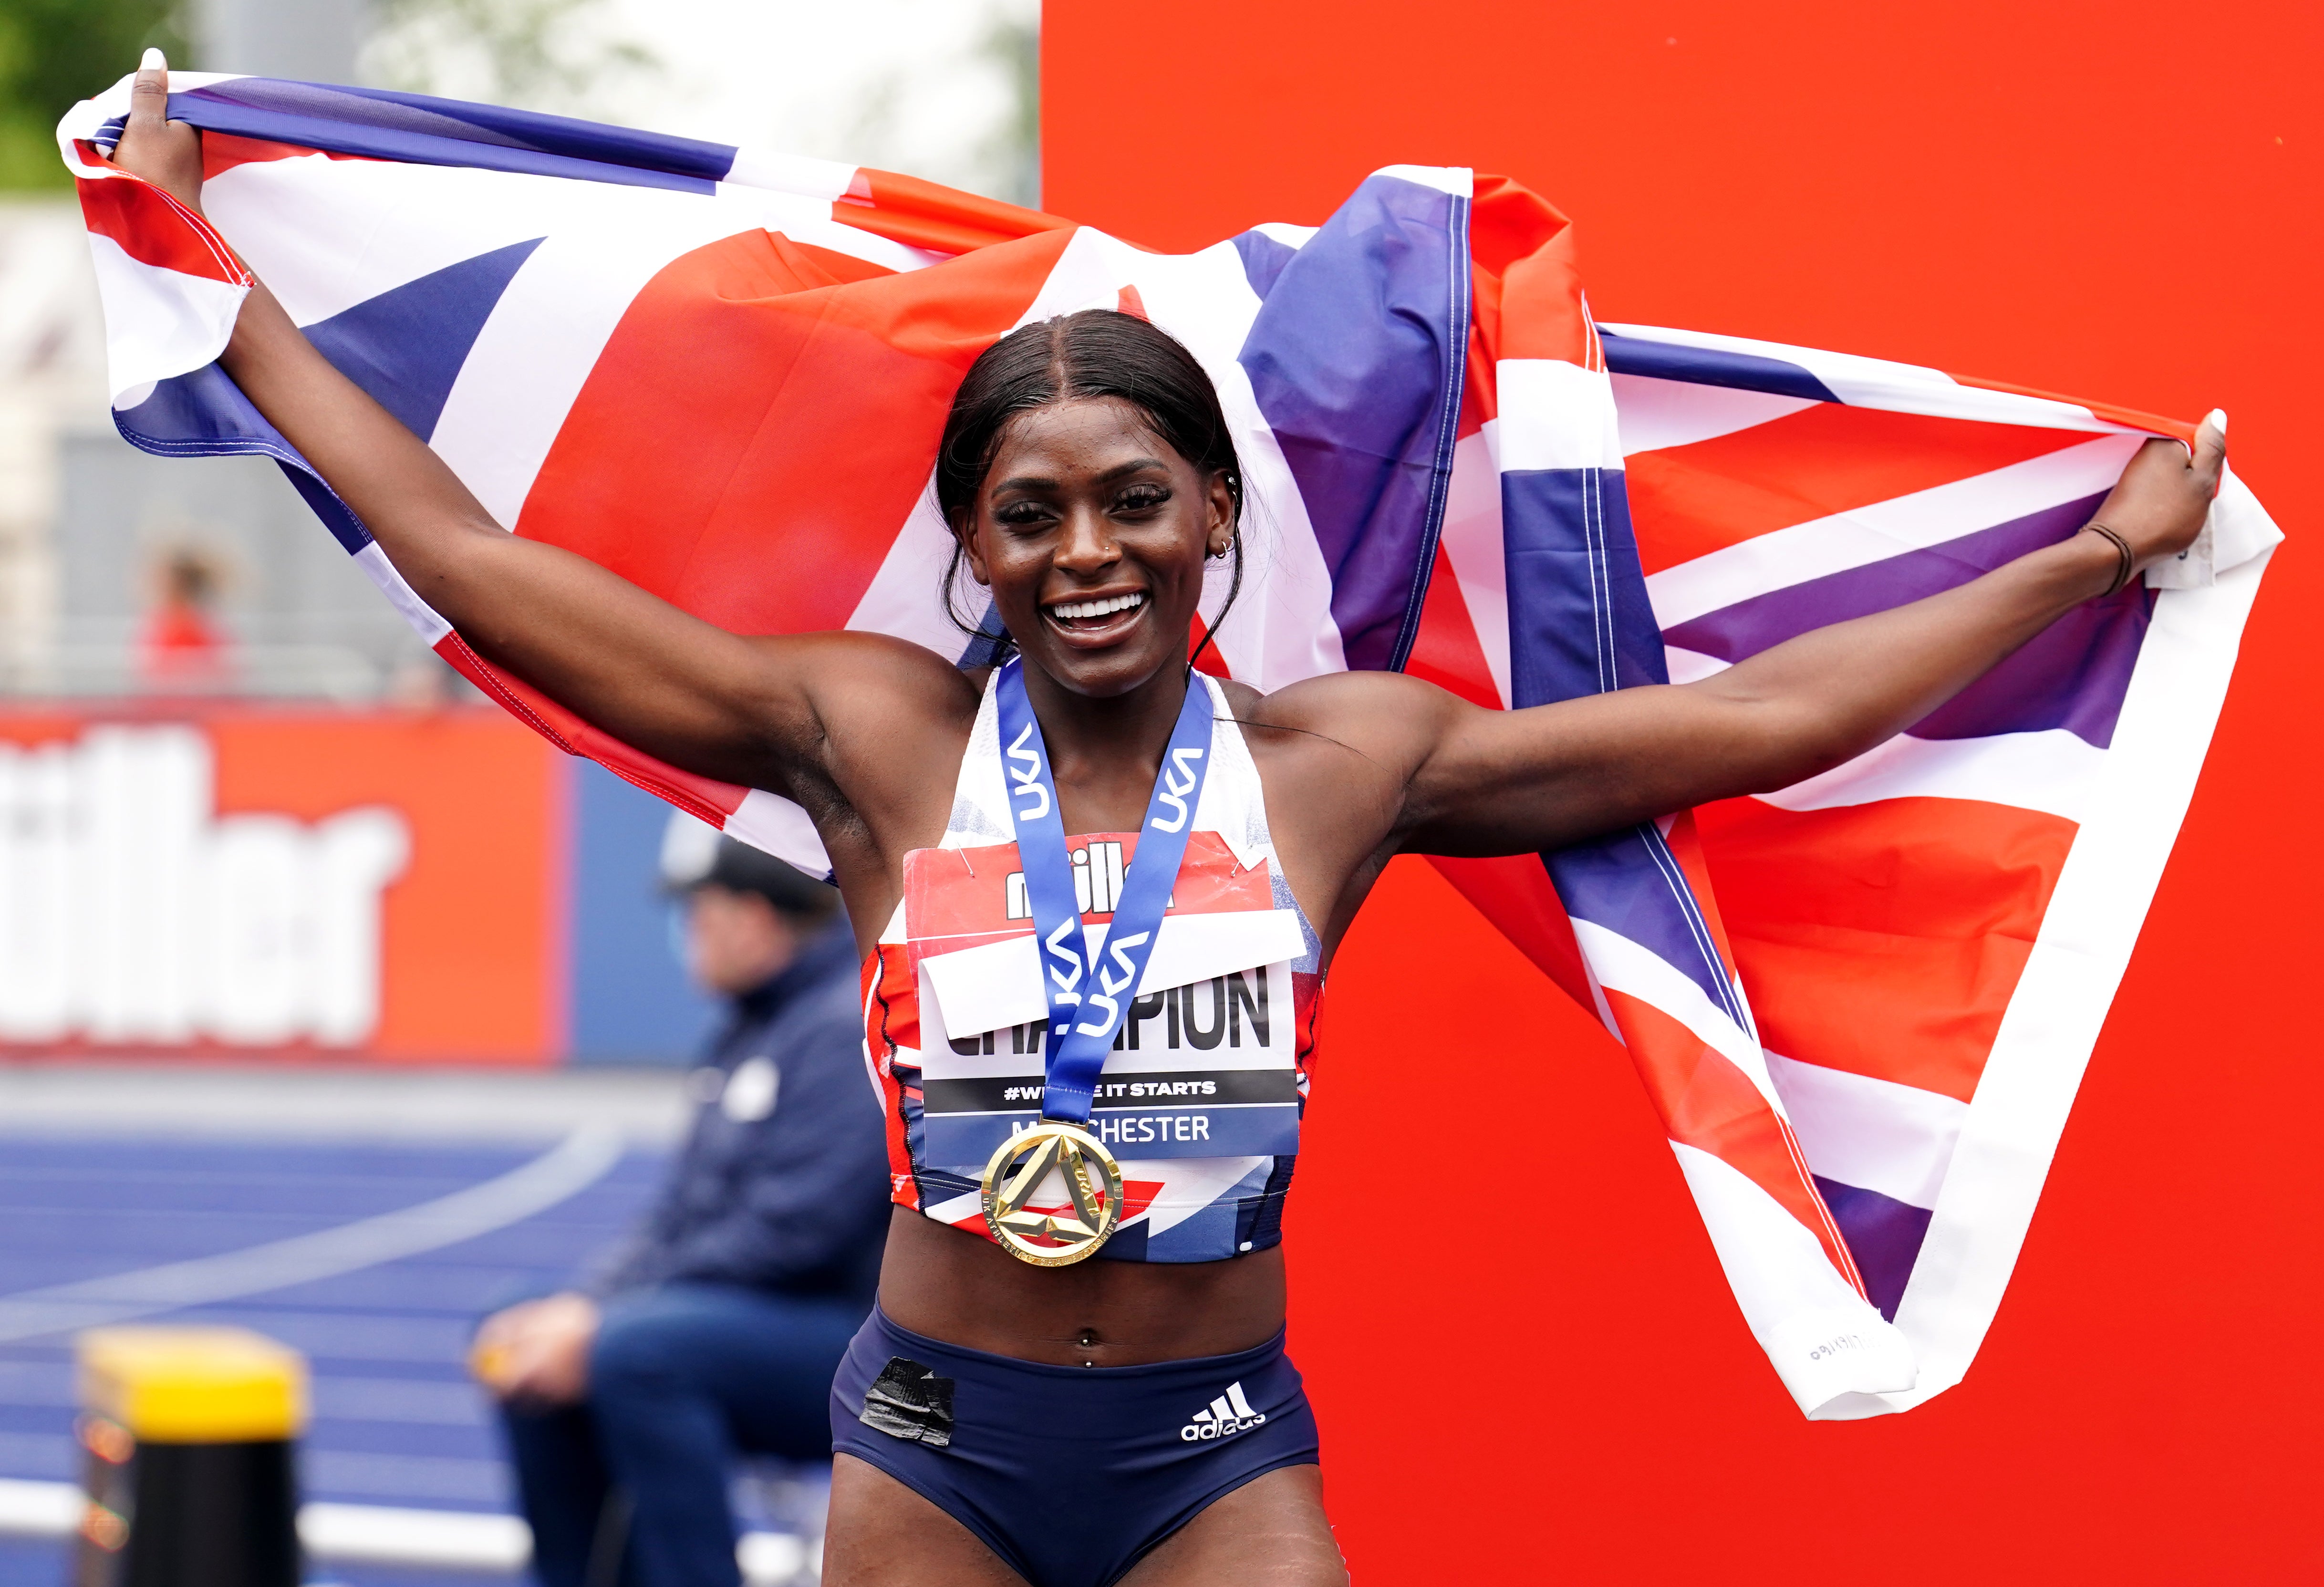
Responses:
[181,646]
[715,1330]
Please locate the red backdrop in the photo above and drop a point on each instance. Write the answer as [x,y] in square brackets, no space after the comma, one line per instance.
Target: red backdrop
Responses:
[2119,201]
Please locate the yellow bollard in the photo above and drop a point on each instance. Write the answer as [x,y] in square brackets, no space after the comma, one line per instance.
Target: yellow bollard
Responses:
[188,1434]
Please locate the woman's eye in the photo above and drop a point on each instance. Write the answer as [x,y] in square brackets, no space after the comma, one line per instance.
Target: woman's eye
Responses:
[1141,499]
[1022,514]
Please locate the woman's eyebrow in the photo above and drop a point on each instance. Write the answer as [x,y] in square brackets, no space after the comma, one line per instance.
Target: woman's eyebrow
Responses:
[1040,482]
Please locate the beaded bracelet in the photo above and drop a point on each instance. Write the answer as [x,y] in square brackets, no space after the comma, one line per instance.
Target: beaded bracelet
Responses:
[2122,550]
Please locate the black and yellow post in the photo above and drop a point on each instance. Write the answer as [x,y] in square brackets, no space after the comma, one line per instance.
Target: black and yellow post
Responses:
[188,1437]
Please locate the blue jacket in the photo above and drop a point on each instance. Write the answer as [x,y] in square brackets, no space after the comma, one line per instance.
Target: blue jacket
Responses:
[783,1181]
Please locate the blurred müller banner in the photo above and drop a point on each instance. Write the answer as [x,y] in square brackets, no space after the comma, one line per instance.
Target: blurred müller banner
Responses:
[1861,1005]
[228,880]
[132,911]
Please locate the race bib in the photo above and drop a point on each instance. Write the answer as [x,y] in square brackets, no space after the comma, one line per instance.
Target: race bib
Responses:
[1202,1065]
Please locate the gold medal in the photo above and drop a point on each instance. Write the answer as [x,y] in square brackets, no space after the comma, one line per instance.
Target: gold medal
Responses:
[1066,1235]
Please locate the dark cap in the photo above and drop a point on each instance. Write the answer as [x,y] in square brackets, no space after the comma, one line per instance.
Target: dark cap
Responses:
[694,855]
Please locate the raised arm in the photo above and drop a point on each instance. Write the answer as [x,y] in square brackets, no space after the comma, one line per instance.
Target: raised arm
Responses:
[1496,782]
[744,710]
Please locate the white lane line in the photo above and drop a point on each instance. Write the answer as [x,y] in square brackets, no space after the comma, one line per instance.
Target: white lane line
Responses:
[378,1534]
[40,1509]
[388,1534]
[577,1161]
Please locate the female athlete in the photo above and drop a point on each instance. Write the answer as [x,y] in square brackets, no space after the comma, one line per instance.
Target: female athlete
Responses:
[1125,1420]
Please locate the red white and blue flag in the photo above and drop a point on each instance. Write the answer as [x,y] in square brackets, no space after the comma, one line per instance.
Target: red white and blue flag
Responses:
[1861,1004]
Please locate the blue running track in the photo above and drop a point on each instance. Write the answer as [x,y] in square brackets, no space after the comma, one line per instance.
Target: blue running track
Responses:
[397,1422]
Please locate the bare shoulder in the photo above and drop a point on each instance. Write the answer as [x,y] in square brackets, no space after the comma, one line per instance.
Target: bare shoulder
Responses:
[848,675]
[1337,754]
[882,651]
[1344,736]
[1383,715]
[880,710]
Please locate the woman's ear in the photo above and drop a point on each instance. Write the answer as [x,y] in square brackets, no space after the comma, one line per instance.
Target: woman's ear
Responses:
[965,534]
[1219,537]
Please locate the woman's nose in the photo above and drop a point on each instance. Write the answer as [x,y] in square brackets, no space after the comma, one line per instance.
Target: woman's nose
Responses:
[1088,542]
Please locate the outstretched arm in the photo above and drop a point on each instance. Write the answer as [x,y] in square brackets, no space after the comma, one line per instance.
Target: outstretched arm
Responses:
[744,710]
[1496,782]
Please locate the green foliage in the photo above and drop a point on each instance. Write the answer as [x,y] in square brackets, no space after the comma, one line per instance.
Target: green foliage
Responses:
[54,52]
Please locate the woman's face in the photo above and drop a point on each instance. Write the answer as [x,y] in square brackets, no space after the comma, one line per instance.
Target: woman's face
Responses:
[1090,532]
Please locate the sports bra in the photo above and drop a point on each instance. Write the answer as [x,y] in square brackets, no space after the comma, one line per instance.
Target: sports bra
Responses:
[1201,1098]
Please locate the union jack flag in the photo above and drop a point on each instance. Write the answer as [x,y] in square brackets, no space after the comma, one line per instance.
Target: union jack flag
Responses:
[1861,1004]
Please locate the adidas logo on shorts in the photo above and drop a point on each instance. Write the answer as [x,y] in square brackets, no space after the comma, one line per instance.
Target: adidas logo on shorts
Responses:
[1223,1417]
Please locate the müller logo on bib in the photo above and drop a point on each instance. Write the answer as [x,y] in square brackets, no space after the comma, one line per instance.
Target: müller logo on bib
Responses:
[1098,874]
[959,898]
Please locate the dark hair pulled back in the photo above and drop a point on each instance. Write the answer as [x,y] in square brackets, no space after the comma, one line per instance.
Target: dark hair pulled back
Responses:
[1096,353]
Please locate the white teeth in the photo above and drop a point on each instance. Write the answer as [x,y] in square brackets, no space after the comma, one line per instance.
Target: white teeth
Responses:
[1070,609]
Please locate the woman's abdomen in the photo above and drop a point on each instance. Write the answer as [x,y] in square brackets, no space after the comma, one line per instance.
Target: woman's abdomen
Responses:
[955,1287]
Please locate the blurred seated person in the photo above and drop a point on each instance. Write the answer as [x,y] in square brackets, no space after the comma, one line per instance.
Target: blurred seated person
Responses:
[715,1329]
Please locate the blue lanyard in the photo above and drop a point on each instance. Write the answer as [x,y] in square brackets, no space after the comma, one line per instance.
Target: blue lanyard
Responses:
[1087,998]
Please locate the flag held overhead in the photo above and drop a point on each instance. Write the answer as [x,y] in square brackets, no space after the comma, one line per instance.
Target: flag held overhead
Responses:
[1860,1005]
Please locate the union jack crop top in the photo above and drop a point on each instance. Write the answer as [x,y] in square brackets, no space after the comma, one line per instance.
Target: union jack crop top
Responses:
[1201,1097]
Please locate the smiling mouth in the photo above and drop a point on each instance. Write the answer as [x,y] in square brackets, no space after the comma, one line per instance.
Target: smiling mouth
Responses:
[1095,616]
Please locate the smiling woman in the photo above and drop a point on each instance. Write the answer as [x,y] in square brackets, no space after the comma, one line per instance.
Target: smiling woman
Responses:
[1121,831]
[1137,396]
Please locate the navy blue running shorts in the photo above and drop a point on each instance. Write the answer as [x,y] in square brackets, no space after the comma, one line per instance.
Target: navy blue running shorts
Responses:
[1070,1474]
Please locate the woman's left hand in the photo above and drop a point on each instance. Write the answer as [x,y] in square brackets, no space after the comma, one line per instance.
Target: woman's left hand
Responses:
[2160,502]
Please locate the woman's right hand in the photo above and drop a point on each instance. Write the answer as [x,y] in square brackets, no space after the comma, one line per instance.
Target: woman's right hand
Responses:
[168,153]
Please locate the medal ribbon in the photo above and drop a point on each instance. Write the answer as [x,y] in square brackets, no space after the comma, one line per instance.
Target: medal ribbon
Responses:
[1090,993]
